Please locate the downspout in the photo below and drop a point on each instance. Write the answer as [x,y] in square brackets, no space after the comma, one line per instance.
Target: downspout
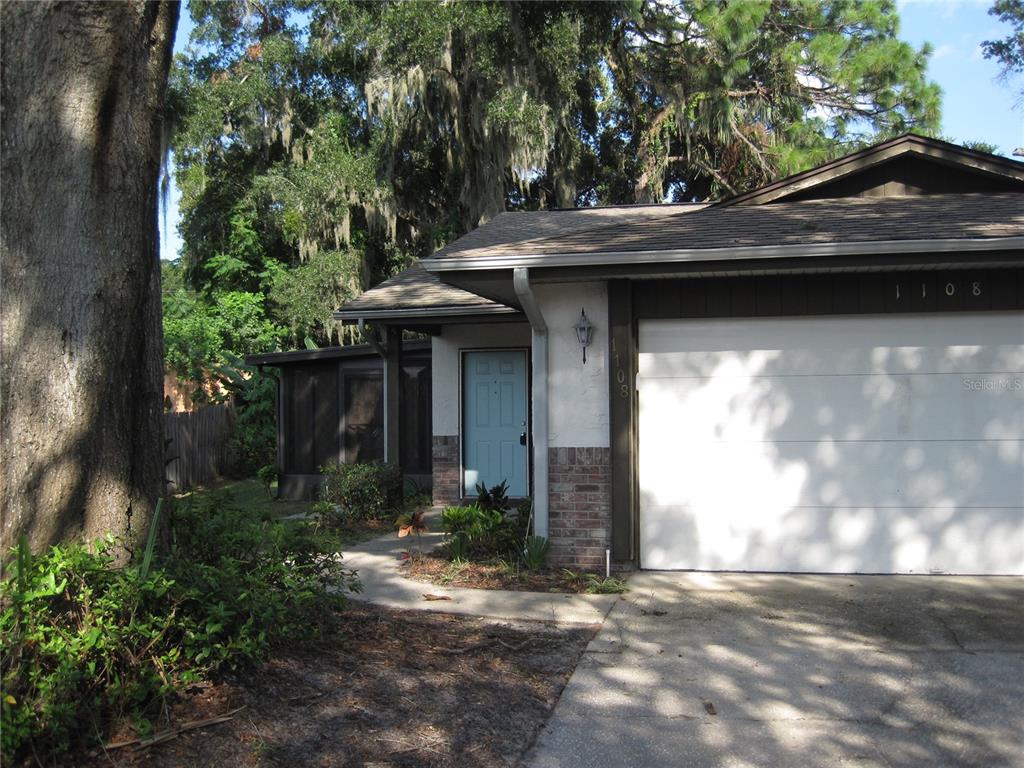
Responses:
[539,397]
[371,336]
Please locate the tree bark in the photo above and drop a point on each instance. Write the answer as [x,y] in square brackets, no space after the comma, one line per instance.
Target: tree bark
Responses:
[81,354]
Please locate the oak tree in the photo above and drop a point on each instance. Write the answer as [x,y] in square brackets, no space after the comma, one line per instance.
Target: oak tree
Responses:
[82,90]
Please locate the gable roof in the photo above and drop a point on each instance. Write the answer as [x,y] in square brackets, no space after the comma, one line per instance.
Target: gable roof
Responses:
[1003,172]
[970,210]
[415,292]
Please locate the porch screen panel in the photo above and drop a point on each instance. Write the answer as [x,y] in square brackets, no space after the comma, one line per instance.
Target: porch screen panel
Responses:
[300,458]
[327,449]
[364,417]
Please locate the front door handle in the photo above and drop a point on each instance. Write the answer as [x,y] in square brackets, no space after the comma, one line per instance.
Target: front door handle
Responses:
[522,439]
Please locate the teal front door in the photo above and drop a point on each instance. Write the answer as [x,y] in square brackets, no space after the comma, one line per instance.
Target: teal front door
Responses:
[494,429]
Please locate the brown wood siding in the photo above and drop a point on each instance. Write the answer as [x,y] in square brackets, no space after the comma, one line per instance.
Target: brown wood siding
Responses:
[299,427]
[908,175]
[622,414]
[416,424]
[875,293]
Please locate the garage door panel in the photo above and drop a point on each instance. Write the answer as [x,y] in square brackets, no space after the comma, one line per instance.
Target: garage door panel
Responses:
[836,540]
[845,407]
[759,439]
[769,478]
[966,359]
[841,337]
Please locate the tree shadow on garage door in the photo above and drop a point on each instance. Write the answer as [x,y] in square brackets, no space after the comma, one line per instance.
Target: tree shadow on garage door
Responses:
[850,445]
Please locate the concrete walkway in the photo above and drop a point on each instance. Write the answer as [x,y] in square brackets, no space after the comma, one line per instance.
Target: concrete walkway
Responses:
[377,561]
[715,670]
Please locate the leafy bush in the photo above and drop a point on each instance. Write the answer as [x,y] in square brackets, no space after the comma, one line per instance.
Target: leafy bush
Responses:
[268,475]
[82,644]
[253,442]
[363,491]
[475,532]
[258,580]
[85,644]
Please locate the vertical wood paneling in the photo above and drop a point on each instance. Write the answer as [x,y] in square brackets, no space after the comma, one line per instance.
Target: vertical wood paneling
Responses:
[197,449]
[830,294]
[768,291]
[325,423]
[693,298]
[819,295]
[794,295]
[622,418]
[303,461]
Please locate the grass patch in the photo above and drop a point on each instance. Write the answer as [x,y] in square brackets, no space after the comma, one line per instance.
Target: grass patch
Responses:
[251,495]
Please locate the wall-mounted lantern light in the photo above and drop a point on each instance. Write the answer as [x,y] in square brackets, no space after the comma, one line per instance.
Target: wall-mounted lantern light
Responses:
[584,332]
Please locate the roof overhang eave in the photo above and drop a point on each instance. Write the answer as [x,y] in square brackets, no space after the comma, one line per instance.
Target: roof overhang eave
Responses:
[712,255]
[416,313]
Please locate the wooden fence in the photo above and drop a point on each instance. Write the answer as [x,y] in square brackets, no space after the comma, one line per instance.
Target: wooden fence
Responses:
[198,449]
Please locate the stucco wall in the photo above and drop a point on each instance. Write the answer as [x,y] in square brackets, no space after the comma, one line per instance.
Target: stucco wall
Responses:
[578,393]
[445,364]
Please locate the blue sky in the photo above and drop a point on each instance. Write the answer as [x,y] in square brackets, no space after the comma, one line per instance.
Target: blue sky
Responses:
[975,105]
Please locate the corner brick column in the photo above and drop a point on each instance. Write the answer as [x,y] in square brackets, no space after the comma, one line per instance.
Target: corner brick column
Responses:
[445,454]
[580,519]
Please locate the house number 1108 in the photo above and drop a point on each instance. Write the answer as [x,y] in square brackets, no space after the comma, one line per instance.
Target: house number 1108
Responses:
[950,290]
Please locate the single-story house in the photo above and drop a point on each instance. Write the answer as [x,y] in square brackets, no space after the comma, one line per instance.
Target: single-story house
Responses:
[822,375]
[330,409]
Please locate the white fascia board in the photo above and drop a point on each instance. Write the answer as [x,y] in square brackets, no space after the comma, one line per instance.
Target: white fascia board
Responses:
[767,252]
[376,314]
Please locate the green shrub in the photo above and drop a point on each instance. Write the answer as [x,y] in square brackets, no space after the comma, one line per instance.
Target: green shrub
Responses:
[259,581]
[416,496]
[268,475]
[253,441]
[495,497]
[535,551]
[363,491]
[475,532]
[85,644]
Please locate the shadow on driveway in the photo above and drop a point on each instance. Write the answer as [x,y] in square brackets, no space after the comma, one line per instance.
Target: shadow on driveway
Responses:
[698,669]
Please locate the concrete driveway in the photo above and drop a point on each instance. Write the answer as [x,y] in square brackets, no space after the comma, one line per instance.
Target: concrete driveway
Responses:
[696,669]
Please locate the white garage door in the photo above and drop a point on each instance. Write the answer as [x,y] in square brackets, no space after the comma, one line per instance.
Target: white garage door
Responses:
[869,444]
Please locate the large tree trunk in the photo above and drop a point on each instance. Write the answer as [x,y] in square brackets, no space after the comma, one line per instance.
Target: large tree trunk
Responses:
[80,408]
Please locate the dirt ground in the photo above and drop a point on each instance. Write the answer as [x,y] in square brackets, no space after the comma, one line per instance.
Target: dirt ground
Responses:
[394,689]
[436,569]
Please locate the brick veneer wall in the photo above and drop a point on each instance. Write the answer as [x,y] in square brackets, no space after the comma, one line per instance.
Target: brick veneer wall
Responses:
[445,455]
[579,513]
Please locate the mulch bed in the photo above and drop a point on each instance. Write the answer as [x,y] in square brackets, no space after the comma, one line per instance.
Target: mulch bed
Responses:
[437,569]
[393,689]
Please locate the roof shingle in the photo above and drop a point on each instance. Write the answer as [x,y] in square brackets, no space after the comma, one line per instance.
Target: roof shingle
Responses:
[854,219]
